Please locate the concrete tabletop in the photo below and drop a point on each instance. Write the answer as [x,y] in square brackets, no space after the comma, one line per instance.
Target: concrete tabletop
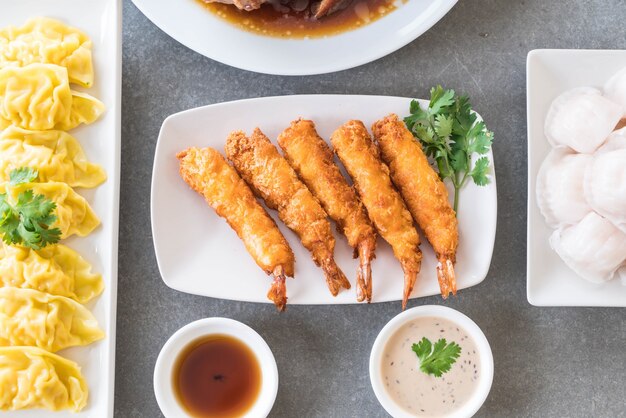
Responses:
[549,362]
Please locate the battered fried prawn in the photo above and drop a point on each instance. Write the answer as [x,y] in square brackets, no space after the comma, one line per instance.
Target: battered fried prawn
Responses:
[273,179]
[361,158]
[312,159]
[424,193]
[208,173]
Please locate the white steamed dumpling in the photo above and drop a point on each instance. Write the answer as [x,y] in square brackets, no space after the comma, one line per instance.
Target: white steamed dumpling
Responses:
[582,119]
[615,88]
[559,189]
[622,274]
[615,141]
[594,248]
[605,180]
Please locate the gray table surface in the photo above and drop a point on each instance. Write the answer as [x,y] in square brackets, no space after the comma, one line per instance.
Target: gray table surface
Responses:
[549,362]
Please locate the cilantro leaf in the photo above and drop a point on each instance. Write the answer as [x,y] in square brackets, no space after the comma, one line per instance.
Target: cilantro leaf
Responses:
[440,98]
[436,359]
[450,133]
[458,160]
[443,126]
[22,175]
[34,206]
[479,172]
[9,220]
[423,349]
[479,139]
[27,222]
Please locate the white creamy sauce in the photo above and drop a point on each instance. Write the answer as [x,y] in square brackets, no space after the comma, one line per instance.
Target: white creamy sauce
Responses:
[417,392]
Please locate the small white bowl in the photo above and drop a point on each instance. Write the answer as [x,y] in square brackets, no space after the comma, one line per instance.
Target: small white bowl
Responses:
[484,350]
[163,379]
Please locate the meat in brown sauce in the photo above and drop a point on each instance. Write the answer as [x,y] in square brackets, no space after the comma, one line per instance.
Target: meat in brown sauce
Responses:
[280,21]
[319,8]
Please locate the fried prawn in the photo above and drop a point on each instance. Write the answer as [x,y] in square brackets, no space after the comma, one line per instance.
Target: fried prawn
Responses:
[424,193]
[313,160]
[361,158]
[209,174]
[273,179]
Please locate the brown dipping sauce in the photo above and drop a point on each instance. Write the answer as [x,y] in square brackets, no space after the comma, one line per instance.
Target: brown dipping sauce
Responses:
[217,376]
[270,21]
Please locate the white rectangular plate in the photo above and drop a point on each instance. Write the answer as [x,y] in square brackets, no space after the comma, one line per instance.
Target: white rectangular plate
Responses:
[101,20]
[550,72]
[198,253]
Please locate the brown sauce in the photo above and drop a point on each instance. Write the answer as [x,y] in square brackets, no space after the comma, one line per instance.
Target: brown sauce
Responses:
[217,376]
[270,21]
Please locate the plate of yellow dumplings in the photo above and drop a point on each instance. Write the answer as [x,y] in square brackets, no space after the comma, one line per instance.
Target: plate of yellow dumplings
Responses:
[60,65]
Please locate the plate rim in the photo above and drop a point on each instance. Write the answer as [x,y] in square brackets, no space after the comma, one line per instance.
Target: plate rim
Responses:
[168,119]
[116,176]
[163,25]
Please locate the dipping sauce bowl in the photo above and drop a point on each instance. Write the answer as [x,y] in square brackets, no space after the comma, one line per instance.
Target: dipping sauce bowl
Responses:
[215,347]
[405,391]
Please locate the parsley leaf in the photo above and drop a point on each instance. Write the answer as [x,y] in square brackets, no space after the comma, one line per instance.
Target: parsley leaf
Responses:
[22,175]
[451,134]
[479,172]
[436,359]
[27,222]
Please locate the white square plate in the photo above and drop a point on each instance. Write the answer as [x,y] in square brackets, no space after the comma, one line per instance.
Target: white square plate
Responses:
[198,253]
[101,20]
[550,72]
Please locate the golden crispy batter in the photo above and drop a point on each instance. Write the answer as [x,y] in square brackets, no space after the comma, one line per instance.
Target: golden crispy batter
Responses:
[424,193]
[385,207]
[313,160]
[273,179]
[208,173]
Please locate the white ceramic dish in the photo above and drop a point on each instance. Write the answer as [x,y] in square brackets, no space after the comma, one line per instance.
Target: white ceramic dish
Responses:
[198,253]
[101,20]
[484,350]
[198,29]
[549,73]
[163,369]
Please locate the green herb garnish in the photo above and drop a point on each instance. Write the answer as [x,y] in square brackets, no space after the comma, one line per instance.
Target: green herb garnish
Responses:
[450,133]
[27,222]
[436,359]
[22,175]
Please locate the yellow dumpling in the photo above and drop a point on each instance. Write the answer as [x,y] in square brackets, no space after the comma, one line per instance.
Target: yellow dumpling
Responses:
[56,155]
[55,269]
[34,378]
[38,97]
[48,41]
[74,215]
[33,318]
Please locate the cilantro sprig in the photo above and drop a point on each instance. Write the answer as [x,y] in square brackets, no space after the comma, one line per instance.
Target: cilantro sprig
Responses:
[22,175]
[450,134]
[27,221]
[436,359]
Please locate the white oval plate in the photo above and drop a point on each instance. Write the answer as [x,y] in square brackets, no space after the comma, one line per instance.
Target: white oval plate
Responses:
[198,253]
[198,29]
